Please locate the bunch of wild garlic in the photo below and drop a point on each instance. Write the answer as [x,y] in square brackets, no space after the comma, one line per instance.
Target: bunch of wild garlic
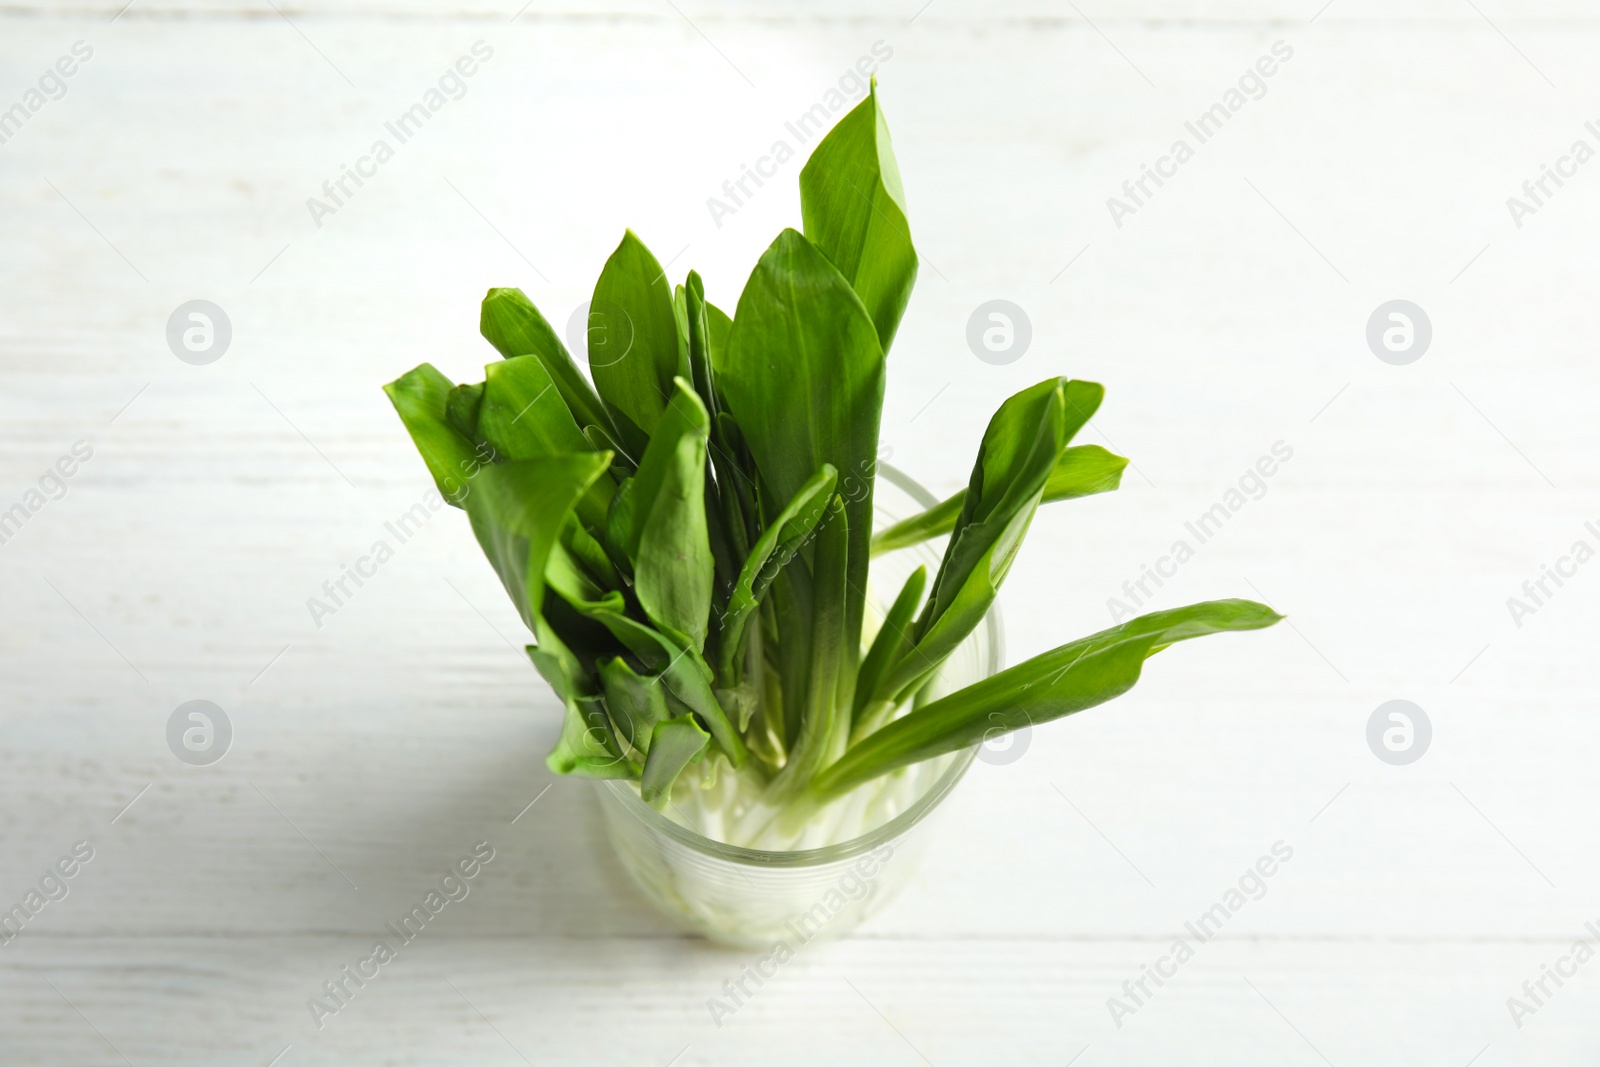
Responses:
[688,537]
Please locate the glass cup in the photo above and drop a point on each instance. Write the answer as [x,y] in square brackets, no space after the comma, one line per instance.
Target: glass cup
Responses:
[766,899]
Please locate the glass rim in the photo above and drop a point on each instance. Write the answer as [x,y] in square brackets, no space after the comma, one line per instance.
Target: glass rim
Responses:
[625,793]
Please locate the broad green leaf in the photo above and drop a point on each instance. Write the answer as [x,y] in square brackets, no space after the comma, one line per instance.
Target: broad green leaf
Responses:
[1020,448]
[517,511]
[511,323]
[684,419]
[523,416]
[1075,676]
[674,745]
[636,703]
[673,570]
[421,396]
[657,521]
[633,341]
[783,537]
[855,212]
[1083,470]
[803,375]
[1012,432]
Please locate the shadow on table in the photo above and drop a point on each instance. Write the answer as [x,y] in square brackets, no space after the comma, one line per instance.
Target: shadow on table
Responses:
[553,871]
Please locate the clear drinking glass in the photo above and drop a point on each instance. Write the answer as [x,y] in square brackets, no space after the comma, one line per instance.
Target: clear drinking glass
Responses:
[757,898]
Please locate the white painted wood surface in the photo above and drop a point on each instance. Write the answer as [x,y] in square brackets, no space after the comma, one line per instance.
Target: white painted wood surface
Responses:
[1226,315]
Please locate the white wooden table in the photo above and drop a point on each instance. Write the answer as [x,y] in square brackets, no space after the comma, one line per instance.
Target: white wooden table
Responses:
[1226,314]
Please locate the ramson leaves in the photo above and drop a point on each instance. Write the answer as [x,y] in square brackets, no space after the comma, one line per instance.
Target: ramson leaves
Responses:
[511,323]
[855,212]
[1075,676]
[1020,449]
[1083,470]
[633,341]
[688,538]
[421,397]
[803,374]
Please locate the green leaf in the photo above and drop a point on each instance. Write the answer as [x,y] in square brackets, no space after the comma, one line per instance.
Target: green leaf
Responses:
[854,211]
[803,375]
[523,416]
[1083,470]
[517,511]
[658,523]
[633,341]
[511,323]
[784,535]
[673,571]
[695,318]
[1013,434]
[674,745]
[1068,679]
[421,396]
[1020,448]
[636,703]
